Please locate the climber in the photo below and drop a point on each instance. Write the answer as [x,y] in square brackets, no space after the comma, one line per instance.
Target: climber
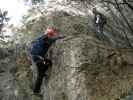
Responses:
[39,48]
[99,22]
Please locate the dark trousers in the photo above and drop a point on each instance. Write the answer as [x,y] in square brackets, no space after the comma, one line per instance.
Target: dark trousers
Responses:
[99,31]
[41,72]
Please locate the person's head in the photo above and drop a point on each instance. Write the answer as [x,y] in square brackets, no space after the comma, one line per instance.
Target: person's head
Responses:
[51,32]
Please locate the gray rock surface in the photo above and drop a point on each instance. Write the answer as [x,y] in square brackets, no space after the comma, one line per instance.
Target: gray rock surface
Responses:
[84,68]
[87,69]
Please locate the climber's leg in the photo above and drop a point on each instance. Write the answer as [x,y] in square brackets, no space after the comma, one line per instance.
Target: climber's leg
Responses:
[99,32]
[40,74]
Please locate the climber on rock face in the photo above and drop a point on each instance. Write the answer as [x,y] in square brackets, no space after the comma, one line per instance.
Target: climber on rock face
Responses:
[38,51]
[99,22]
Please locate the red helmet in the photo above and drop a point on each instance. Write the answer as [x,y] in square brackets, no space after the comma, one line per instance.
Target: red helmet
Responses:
[51,32]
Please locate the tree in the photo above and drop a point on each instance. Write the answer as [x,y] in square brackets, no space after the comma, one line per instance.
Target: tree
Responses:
[3,19]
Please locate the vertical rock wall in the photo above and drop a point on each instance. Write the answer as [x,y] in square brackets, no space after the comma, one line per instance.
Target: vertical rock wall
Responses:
[86,69]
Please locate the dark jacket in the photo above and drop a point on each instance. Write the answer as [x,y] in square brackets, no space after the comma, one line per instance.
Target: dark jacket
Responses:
[40,47]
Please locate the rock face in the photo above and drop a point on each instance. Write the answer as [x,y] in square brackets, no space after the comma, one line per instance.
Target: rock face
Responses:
[87,69]
[84,68]
[11,87]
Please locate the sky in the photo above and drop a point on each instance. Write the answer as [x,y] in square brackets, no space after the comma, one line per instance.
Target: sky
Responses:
[15,8]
